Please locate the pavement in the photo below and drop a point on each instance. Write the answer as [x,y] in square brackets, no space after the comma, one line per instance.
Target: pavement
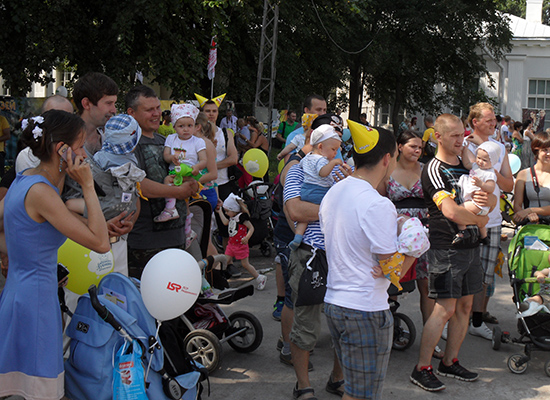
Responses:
[260,375]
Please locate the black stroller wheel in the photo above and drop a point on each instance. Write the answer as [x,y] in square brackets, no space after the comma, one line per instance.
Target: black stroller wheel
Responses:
[204,347]
[404,332]
[514,364]
[265,249]
[547,368]
[252,335]
[497,338]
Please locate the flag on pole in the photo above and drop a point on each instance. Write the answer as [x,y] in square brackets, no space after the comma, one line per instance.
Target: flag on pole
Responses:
[212,59]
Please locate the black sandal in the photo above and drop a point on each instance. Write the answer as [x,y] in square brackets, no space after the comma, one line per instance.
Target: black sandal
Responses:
[303,394]
[336,388]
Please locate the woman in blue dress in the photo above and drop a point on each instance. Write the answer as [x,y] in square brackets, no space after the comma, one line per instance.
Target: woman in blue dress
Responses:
[34,223]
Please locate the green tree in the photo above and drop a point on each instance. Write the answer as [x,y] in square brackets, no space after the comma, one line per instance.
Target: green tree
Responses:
[429,54]
[167,40]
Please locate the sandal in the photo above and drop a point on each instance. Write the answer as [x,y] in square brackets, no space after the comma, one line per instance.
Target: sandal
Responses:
[303,394]
[438,353]
[167,215]
[336,388]
[489,319]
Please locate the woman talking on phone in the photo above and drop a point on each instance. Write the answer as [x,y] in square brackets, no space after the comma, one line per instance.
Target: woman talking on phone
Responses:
[34,223]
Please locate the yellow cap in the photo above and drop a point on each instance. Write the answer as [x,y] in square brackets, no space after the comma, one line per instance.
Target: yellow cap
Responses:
[202,100]
[364,138]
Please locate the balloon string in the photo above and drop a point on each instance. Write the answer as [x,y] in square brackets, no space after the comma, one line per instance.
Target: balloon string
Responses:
[151,357]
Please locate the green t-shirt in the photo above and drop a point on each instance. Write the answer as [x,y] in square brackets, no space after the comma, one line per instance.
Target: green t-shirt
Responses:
[285,128]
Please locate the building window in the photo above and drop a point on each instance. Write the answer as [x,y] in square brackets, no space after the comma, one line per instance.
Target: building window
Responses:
[66,77]
[539,97]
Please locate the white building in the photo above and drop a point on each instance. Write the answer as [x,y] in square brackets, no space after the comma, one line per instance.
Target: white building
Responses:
[522,78]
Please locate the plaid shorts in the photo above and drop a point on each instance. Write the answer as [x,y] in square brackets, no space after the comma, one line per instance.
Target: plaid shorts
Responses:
[362,341]
[489,255]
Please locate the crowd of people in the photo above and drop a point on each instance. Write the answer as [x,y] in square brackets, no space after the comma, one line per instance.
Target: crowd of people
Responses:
[389,185]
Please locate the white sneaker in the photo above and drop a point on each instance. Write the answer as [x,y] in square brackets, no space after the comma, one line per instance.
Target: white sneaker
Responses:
[481,331]
[261,281]
[444,333]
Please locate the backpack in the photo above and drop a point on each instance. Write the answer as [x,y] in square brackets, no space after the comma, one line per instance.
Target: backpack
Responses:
[94,342]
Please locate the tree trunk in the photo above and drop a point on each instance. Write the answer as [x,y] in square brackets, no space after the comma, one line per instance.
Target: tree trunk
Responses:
[355,89]
[396,106]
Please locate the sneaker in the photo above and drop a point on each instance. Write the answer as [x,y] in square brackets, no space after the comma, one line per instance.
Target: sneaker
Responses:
[277,310]
[167,214]
[444,333]
[287,360]
[280,344]
[456,371]
[481,331]
[438,353]
[261,281]
[233,271]
[426,379]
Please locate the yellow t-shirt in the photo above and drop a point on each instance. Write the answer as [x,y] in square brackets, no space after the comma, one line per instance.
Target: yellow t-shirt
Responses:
[429,135]
[166,130]
[4,124]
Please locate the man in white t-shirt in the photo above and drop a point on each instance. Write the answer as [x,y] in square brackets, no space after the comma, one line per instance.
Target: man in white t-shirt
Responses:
[356,301]
[482,119]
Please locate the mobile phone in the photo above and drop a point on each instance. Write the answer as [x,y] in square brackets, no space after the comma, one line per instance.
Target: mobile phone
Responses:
[62,272]
[63,152]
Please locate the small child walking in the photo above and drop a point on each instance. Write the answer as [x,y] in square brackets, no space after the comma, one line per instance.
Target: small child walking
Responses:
[240,231]
[182,148]
[317,167]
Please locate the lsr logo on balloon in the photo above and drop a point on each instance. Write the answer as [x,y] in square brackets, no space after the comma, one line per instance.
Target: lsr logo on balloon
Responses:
[178,288]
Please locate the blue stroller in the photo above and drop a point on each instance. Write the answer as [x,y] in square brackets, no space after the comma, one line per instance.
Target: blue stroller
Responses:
[100,326]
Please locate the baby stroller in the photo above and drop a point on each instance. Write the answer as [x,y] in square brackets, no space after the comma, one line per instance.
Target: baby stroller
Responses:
[102,323]
[205,327]
[404,331]
[257,196]
[534,330]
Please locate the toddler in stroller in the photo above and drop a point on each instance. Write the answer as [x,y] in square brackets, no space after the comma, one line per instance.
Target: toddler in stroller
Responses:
[528,268]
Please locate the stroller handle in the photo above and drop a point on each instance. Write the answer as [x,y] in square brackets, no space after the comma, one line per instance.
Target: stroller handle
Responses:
[534,280]
[101,310]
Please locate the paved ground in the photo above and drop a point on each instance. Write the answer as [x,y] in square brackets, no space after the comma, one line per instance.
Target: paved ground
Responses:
[260,375]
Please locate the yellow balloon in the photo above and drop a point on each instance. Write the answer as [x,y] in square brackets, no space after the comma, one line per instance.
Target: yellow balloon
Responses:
[280,166]
[86,267]
[255,162]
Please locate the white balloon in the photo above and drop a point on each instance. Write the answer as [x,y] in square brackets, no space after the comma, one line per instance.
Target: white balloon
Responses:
[515,163]
[170,284]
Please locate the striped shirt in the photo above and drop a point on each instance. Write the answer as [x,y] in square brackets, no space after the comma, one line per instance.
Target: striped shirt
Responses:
[293,186]
[437,178]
